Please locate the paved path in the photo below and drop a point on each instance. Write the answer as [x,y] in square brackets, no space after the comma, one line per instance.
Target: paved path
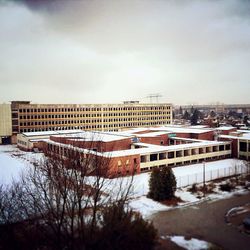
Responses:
[205,221]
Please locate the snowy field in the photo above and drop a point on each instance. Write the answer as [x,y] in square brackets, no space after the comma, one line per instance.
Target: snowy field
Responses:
[13,161]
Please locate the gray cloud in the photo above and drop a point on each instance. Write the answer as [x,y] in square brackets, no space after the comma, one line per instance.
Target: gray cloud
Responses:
[109,51]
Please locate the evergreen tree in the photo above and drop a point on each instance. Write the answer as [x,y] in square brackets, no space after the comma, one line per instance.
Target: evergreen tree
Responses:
[212,113]
[180,111]
[154,184]
[186,115]
[195,117]
[162,184]
[192,110]
[245,120]
[169,182]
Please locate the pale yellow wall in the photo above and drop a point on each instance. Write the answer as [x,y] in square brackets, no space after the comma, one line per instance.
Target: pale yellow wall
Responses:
[5,120]
[182,159]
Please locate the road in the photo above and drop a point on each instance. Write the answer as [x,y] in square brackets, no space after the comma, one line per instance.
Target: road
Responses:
[205,221]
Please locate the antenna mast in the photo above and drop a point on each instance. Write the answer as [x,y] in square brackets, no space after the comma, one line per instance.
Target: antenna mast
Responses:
[156,96]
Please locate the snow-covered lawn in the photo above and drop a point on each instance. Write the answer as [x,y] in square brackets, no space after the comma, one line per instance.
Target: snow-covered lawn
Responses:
[13,161]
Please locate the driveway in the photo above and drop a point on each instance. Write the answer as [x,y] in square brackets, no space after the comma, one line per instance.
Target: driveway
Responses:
[205,221]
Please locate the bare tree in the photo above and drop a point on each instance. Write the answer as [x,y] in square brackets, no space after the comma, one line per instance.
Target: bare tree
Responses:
[64,200]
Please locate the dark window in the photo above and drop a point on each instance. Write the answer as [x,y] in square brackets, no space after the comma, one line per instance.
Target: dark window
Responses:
[243,146]
[171,155]
[153,157]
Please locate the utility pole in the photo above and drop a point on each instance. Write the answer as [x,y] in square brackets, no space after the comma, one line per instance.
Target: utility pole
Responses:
[204,178]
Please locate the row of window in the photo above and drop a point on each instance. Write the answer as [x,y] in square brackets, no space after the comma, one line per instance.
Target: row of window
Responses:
[158,114]
[181,163]
[109,127]
[76,121]
[92,109]
[184,153]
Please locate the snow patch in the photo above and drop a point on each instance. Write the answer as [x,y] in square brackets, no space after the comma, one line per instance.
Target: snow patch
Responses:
[147,206]
[190,244]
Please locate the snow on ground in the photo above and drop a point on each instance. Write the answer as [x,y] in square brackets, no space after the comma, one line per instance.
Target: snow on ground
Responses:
[13,161]
[146,206]
[190,244]
[187,175]
[186,196]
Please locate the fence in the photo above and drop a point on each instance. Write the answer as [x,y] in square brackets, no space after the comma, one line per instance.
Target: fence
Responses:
[210,175]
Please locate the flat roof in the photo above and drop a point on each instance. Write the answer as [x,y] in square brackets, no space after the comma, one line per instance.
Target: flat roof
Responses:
[186,139]
[49,133]
[95,136]
[225,128]
[245,136]
[183,129]
[229,136]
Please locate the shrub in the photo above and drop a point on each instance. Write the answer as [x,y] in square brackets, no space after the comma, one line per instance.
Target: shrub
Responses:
[226,187]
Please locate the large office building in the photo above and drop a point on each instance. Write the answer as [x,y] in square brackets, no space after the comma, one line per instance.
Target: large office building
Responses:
[28,117]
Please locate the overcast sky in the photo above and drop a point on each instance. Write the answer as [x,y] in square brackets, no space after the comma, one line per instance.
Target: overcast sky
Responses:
[190,52]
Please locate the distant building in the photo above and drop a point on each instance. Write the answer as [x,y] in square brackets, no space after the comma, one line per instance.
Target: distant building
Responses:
[27,117]
[219,108]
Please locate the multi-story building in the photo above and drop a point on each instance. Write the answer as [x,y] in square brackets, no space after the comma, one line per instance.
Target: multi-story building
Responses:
[27,117]
[5,123]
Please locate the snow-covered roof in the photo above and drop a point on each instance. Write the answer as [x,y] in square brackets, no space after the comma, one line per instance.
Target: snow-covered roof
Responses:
[225,128]
[96,136]
[49,133]
[157,149]
[245,136]
[198,126]
[243,131]
[185,139]
[229,136]
[147,148]
[182,130]
[153,134]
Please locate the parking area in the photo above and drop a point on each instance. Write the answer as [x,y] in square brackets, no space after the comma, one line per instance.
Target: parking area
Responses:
[205,221]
